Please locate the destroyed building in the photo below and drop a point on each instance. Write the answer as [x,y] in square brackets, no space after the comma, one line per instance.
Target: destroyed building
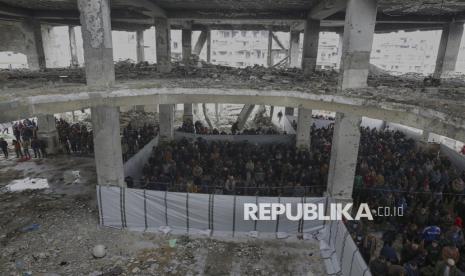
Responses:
[291,87]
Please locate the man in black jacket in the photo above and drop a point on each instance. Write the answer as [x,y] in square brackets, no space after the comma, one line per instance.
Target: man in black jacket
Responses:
[4,147]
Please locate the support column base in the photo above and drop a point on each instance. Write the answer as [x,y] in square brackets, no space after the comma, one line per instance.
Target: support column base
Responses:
[51,140]
[308,66]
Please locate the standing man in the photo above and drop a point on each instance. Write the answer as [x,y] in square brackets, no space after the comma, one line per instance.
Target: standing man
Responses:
[35,145]
[4,147]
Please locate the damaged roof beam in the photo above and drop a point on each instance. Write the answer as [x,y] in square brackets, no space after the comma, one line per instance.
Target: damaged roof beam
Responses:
[326,8]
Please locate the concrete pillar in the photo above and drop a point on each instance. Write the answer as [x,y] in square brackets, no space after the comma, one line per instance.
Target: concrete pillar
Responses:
[48,132]
[294,48]
[107,145]
[186,43]
[98,47]
[73,47]
[36,56]
[304,124]
[188,112]
[244,115]
[140,46]
[339,50]
[448,49]
[310,47]
[205,115]
[344,153]
[269,57]
[218,108]
[425,136]
[383,126]
[166,116]
[163,47]
[209,47]
[200,43]
[140,55]
[359,28]
[289,111]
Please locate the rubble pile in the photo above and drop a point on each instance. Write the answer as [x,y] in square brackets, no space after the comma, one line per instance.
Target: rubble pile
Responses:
[253,77]
[203,74]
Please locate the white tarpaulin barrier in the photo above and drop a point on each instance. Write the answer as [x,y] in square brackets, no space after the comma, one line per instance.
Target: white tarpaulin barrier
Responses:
[133,167]
[339,251]
[221,215]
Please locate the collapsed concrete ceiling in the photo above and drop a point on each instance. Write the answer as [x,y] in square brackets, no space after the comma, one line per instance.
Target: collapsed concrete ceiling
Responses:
[278,15]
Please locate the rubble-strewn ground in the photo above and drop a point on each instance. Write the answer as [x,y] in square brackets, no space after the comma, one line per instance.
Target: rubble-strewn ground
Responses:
[68,220]
[447,97]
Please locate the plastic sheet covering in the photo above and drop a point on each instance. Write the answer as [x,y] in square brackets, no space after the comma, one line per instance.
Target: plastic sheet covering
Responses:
[191,213]
[340,253]
[133,167]
[457,159]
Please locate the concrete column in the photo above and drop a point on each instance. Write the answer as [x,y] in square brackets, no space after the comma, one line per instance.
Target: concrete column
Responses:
[289,111]
[294,48]
[310,47]
[48,132]
[209,46]
[339,50]
[107,145]
[166,121]
[304,124]
[188,112]
[344,153]
[140,46]
[163,47]
[98,47]
[36,56]
[448,49]
[200,43]
[269,57]
[271,111]
[425,136]
[140,53]
[218,109]
[359,28]
[73,47]
[244,115]
[383,126]
[186,43]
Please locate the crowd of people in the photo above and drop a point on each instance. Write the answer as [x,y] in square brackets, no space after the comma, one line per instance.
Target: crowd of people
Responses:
[427,239]
[392,171]
[135,138]
[238,168]
[25,141]
[75,138]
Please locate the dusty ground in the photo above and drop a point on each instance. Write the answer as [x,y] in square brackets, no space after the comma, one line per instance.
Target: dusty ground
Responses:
[69,229]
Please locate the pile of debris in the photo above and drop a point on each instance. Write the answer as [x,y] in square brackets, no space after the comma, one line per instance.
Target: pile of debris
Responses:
[204,75]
